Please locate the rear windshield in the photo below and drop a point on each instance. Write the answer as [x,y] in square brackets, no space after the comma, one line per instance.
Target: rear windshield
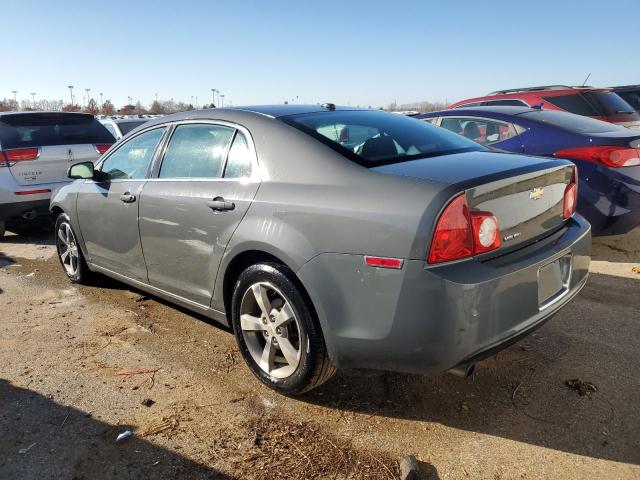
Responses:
[42,129]
[372,137]
[632,97]
[126,127]
[572,123]
[594,104]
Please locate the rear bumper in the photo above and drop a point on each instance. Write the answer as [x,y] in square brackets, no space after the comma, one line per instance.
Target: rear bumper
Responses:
[13,206]
[14,211]
[609,198]
[428,319]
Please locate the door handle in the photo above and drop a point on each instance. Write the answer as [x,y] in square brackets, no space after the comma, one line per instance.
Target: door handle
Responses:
[219,204]
[128,197]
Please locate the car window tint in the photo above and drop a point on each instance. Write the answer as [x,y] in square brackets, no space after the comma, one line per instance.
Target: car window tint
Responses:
[371,137]
[112,130]
[131,160]
[240,158]
[632,98]
[573,104]
[196,151]
[484,132]
[126,127]
[504,103]
[26,130]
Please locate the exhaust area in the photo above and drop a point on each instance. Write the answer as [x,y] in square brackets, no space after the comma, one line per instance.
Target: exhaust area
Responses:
[464,370]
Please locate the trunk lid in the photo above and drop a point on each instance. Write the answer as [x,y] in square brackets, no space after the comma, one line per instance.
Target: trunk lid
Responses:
[62,139]
[526,194]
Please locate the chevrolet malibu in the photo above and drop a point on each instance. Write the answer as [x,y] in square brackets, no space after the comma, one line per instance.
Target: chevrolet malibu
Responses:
[328,238]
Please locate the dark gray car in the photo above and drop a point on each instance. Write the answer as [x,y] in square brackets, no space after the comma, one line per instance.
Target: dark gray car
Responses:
[331,237]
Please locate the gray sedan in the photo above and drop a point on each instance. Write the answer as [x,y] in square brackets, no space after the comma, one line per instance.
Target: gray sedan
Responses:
[329,238]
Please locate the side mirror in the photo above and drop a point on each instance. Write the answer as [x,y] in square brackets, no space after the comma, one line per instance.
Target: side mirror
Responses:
[82,170]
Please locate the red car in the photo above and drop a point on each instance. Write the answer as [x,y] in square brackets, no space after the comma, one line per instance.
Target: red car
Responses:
[599,103]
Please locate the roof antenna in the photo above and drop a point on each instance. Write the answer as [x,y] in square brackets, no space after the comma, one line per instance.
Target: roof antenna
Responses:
[585,80]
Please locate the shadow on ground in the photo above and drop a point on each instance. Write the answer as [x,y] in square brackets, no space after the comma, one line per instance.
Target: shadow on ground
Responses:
[40,438]
[521,393]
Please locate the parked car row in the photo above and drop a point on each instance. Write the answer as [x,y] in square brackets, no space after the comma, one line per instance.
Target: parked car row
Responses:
[600,103]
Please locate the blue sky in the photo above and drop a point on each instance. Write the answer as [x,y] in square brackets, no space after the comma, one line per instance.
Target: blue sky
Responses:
[347,52]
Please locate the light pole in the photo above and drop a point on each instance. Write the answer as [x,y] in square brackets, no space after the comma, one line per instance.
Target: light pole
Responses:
[87,90]
[213,96]
[196,105]
[33,95]
[156,97]
[129,99]
[222,100]
[15,97]
[101,100]
[70,87]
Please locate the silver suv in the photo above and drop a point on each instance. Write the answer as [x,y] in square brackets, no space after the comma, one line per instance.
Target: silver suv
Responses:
[36,150]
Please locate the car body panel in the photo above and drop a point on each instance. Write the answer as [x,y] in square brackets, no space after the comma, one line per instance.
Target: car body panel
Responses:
[111,238]
[183,246]
[321,214]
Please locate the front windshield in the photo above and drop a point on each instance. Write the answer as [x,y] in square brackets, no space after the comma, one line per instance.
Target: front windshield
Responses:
[372,137]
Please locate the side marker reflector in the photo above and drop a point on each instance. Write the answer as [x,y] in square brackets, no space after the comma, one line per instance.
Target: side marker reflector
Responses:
[383,262]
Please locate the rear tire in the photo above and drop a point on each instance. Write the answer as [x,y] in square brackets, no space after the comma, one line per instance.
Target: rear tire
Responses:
[277,332]
[69,252]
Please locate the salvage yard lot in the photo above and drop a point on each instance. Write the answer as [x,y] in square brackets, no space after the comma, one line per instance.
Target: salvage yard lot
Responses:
[77,362]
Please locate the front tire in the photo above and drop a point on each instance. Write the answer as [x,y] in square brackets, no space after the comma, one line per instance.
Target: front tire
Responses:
[276,331]
[69,252]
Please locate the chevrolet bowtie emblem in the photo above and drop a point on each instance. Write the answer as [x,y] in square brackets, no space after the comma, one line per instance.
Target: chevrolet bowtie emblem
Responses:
[536,193]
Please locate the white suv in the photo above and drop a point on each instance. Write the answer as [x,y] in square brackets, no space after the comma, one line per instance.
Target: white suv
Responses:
[119,127]
[36,150]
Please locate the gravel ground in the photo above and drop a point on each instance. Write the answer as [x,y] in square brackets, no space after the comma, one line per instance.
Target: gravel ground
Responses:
[76,364]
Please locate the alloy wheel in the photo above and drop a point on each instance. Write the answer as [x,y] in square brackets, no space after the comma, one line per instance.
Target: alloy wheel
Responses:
[68,249]
[271,330]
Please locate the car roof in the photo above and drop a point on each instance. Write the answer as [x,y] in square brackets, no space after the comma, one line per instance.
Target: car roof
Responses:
[40,112]
[625,87]
[503,110]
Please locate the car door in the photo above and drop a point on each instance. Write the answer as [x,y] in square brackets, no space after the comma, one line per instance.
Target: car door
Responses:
[108,207]
[488,132]
[202,188]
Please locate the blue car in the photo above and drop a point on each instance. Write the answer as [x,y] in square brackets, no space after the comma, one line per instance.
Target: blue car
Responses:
[607,155]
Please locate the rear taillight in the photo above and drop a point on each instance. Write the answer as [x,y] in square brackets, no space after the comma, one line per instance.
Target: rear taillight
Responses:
[610,156]
[460,234]
[19,154]
[570,196]
[102,147]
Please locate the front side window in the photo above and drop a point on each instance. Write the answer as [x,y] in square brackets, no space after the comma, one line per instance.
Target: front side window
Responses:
[484,132]
[240,159]
[372,137]
[131,160]
[196,151]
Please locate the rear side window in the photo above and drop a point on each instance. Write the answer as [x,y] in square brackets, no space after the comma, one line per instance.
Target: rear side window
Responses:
[196,151]
[484,132]
[131,160]
[575,103]
[41,129]
[240,159]
[572,123]
[372,137]
[112,130]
